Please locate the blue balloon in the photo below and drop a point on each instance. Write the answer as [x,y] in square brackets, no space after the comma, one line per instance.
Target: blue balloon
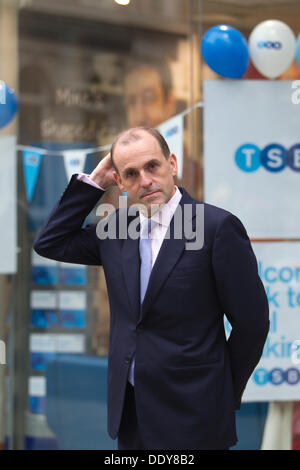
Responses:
[298,51]
[225,50]
[8,104]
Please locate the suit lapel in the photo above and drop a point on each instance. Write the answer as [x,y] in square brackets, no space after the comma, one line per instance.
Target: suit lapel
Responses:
[131,271]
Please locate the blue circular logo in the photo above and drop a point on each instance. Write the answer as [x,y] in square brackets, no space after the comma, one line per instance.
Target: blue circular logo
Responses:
[293,157]
[261,376]
[292,376]
[247,157]
[276,376]
[273,157]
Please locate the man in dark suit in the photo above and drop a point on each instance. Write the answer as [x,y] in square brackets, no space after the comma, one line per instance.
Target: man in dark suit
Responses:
[174,381]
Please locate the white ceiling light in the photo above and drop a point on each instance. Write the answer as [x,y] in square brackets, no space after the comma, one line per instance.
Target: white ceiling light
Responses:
[122,2]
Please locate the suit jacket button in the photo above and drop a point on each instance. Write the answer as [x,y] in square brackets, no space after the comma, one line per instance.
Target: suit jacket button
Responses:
[140,326]
[127,359]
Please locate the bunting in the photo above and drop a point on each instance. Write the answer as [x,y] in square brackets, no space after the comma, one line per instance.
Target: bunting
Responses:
[31,162]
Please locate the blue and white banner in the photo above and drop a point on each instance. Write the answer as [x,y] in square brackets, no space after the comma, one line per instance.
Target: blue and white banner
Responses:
[277,376]
[252,169]
[31,164]
[172,131]
[74,161]
[252,154]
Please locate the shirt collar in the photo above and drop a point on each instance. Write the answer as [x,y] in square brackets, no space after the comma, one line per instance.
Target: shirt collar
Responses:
[166,212]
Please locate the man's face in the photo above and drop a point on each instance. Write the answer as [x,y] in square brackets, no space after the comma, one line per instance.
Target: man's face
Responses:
[144,172]
[146,104]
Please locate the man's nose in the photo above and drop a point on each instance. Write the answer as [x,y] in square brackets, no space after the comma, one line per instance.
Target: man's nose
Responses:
[145,179]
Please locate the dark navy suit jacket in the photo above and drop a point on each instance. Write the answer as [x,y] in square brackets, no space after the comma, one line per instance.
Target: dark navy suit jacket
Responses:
[188,378]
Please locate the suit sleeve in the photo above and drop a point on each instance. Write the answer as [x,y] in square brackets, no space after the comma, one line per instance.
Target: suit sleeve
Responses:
[243,298]
[62,237]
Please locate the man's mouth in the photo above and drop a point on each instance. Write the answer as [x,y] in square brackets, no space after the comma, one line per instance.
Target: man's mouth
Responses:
[150,194]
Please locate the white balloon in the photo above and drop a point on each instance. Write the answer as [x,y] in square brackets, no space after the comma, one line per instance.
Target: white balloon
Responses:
[272,46]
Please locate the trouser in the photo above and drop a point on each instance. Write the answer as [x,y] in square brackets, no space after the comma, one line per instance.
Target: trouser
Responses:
[129,437]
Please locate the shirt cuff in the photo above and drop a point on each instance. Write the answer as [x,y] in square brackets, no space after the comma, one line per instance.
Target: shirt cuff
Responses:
[85,179]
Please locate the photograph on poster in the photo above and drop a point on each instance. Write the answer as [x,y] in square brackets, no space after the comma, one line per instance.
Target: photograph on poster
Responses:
[44,271]
[46,347]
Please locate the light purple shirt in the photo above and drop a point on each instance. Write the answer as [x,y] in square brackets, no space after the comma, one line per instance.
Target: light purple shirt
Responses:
[85,178]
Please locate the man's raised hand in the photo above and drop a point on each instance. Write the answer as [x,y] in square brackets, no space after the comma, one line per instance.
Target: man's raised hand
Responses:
[103,173]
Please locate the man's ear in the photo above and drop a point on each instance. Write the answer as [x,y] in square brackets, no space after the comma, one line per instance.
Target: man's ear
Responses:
[173,163]
[118,180]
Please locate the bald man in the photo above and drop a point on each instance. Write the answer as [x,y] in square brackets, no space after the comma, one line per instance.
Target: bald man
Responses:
[174,380]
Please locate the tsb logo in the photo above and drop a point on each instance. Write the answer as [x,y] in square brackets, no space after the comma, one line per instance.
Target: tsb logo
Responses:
[274,158]
[276,376]
[269,45]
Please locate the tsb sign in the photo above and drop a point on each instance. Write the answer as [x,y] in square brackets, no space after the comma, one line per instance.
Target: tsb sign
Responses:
[269,45]
[274,157]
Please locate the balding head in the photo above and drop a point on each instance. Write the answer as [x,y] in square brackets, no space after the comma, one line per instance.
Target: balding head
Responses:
[134,134]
